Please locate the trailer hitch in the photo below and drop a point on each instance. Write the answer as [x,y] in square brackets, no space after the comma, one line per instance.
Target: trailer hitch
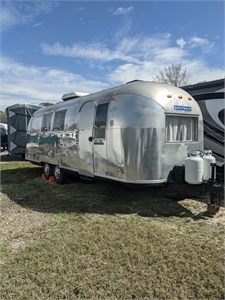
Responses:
[213,206]
[211,187]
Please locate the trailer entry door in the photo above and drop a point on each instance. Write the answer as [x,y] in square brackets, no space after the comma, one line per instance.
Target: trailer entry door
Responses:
[99,142]
[85,147]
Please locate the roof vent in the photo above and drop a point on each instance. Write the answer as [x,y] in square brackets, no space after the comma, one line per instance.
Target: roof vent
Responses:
[133,81]
[73,95]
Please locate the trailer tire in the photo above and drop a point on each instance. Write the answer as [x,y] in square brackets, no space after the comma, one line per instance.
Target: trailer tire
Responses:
[59,176]
[47,170]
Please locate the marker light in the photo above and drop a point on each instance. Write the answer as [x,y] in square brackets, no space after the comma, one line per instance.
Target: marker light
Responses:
[169,96]
[113,98]
[180,97]
[189,98]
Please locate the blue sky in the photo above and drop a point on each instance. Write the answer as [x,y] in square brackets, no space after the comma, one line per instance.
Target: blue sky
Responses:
[49,48]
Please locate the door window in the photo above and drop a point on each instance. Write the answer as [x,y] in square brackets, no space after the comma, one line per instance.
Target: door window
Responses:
[100,120]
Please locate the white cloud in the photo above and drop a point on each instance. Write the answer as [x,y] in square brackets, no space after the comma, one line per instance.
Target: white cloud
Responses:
[199,70]
[123,31]
[156,52]
[37,25]
[135,50]
[181,43]
[170,55]
[9,16]
[141,57]
[33,85]
[131,58]
[196,42]
[123,11]
[203,43]
[126,23]
[128,72]
[23,12]
[94,51]
[80,9]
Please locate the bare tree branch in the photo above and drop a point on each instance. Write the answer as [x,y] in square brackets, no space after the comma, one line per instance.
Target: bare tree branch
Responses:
[3,117]
[174,75]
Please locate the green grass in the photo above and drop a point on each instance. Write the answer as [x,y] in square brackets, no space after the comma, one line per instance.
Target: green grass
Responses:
[105,240]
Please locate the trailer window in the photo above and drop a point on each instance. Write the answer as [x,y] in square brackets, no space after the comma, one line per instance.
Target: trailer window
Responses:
[181,128]
[46,122]
[59,120]
[3,131]
[35,124]
[100,120]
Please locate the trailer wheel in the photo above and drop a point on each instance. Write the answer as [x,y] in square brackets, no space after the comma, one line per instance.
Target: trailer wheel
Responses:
[59,176]
[47,170]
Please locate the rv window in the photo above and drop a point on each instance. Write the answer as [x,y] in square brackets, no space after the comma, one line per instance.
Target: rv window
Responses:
[3,131]
[181,128]
[100,120]
[46,122]
[59,120]
[70,119]
[35,124]
[101,114]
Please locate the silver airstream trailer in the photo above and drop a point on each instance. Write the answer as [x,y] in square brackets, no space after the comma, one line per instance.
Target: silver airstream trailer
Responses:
[134,133]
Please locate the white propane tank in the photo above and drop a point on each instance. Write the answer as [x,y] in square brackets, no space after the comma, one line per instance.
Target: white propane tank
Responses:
[194,168]
[207,160]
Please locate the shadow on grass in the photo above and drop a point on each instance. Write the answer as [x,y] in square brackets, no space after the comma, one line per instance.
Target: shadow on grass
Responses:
[5,156]
[25,187]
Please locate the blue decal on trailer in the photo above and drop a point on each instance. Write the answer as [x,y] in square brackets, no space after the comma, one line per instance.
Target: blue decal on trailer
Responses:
[186,108]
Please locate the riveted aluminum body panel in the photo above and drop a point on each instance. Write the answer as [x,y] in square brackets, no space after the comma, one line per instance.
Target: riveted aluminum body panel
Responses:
[134,148]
